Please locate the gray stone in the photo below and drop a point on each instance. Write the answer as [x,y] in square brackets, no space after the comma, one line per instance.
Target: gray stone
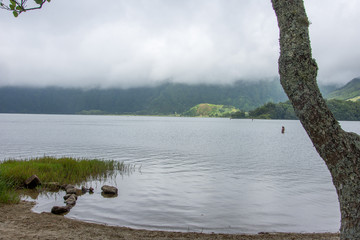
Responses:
[68,195]
[109,189]
[69,186]
[71,200]
[60,209]
[74,190]
[70,190]
[32,182]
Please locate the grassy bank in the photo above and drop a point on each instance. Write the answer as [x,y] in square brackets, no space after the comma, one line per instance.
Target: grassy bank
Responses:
[64,170]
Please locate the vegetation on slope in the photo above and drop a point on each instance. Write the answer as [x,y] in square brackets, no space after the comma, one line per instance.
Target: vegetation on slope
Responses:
[351,91]
[210,110]
[165,99]
[274,111]
[342,110]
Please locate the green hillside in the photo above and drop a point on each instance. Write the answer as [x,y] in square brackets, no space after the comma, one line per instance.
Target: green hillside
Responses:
[342,110]
[210,110]
[164,99]
[351,91]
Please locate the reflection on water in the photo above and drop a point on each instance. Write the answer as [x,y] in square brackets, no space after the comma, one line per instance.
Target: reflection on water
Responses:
[209,175]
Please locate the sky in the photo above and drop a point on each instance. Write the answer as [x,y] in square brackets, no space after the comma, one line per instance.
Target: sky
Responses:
[131,43]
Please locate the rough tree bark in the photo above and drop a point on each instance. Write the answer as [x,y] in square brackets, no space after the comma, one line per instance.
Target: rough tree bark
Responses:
[339,149]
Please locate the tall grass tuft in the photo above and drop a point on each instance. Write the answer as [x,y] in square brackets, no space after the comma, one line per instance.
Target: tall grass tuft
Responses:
[7,193]
[63,170]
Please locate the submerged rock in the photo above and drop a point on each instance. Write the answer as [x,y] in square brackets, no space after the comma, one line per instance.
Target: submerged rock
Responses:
[32,182]
[109,190]
[68,186]
[70,191]
[73,190]
[71,200]
[68,195]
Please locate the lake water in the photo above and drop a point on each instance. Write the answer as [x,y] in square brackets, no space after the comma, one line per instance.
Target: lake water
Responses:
[192,174]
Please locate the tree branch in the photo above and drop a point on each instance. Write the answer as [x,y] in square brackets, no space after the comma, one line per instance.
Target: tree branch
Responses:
[19,7]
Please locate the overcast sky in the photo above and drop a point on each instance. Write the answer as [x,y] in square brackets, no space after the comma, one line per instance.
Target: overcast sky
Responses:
[126,43]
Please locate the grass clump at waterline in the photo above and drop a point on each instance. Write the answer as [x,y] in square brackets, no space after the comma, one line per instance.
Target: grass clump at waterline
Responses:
[7,193]
[65,170]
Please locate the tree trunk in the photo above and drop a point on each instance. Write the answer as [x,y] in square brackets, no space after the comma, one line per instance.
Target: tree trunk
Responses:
[339,149]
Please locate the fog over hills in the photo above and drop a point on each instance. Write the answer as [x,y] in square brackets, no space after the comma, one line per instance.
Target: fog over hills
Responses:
[167,98]
[141,43]
[164,99]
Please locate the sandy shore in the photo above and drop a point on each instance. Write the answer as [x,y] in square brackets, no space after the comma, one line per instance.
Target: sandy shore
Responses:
[19,222]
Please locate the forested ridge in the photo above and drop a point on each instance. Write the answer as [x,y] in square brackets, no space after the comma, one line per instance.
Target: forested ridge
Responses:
[168,98]
[262,99]
[342,110]
[343,103]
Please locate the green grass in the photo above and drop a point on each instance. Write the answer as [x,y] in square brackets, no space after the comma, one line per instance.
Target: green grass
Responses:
[7,193]
[64,170]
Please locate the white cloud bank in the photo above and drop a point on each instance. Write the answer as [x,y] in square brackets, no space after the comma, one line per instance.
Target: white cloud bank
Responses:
[143,42]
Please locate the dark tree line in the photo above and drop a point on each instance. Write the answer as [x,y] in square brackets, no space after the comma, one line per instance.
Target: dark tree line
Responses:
[342,110]
[163,99]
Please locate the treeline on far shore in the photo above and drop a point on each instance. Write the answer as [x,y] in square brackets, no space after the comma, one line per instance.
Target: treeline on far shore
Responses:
[342,110]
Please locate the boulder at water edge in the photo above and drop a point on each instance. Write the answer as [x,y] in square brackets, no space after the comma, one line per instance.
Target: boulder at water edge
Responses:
[109,189]
[70,189]
[71,200]
[32,182]
[68,195]
[60,209]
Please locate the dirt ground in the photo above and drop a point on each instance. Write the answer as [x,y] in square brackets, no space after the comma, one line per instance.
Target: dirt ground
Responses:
[19,222]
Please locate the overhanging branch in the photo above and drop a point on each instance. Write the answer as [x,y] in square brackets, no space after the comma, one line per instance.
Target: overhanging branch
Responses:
[18,7]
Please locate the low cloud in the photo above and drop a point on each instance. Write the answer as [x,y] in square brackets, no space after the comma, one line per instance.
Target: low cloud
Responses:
[145,42]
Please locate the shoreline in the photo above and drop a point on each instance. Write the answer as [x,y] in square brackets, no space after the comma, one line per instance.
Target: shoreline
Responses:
[17,221]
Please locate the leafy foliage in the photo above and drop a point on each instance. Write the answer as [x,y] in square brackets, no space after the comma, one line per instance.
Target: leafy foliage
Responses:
[274,111]
[345,110]
[18,7]
[238,115]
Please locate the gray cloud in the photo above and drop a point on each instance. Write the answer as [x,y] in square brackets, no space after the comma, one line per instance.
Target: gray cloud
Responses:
[144,42]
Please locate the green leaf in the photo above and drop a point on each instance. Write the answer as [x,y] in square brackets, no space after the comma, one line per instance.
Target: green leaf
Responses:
[38,1]
[19,8]
[48,0]
[12,7]
[15,13]
[12,2]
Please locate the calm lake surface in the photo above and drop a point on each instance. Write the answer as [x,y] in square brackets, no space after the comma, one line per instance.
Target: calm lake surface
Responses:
[192,174]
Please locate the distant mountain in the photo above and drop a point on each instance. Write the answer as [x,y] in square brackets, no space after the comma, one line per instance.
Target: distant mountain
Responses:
[168,98]
[351,91]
